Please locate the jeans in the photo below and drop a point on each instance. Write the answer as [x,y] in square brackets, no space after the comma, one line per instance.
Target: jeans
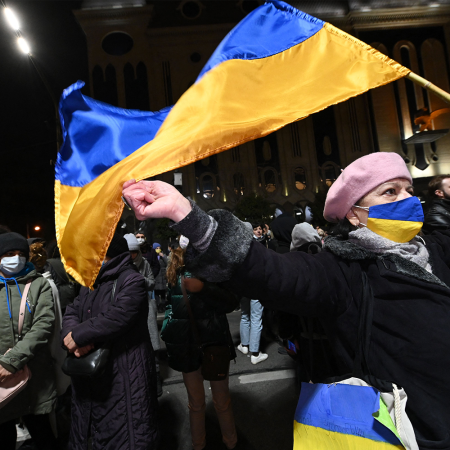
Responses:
[251,323]
[222,404]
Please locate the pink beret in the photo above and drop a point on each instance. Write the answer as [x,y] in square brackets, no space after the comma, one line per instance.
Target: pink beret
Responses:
[359,178]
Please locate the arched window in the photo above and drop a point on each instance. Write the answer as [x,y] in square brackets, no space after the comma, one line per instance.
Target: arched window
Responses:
[330,174]
[300,178]
[238,183]
[270,180]
[105,89]
[207,183]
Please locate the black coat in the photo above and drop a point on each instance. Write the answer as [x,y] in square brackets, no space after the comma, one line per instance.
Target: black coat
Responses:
[118,409]
[438,216]
[282,228]
[411,320]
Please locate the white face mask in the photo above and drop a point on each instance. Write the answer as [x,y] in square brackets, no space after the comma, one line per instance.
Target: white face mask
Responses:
[140,240]
[11,265]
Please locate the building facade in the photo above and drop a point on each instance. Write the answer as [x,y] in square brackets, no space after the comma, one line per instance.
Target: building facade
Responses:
[145,55]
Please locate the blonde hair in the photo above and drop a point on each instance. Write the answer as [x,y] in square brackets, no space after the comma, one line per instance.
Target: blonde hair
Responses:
[175,265]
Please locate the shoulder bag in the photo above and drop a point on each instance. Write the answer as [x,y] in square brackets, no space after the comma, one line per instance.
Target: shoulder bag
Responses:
[93,364]
[15,384]
[215,358]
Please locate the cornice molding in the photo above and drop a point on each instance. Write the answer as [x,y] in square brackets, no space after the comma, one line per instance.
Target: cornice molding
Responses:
[89,16]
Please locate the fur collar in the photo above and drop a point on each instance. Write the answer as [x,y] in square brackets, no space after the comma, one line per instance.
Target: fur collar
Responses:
[352,252]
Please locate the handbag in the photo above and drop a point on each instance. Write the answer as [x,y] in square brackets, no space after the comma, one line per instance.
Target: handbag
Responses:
[215,358]
[356,410]
[93,364]
[17,383]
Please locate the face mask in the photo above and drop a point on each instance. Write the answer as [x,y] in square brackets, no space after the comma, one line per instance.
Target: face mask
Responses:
[158,250]
[398,221]
[11,265]
[140,241]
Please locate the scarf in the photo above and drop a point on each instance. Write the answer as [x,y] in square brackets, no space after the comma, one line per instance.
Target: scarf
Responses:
[414,250]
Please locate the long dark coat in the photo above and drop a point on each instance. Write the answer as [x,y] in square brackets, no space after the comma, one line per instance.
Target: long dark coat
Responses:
[410,331]
[118,409]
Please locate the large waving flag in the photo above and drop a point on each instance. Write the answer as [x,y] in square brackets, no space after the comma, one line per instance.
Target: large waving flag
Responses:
[277,66]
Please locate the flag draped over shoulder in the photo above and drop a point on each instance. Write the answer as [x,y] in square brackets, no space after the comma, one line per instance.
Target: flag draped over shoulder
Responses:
[278,65]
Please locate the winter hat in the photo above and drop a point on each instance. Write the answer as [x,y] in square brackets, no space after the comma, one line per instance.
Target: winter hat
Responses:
[133,244]
[13,241]
[359,178]
[118,246]
[304,233]
[156,245]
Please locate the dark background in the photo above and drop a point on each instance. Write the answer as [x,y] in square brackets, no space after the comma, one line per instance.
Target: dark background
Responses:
[27,111]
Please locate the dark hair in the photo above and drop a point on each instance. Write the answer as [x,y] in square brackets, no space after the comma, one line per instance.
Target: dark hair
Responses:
[342,229]
[436,184]
[256,225]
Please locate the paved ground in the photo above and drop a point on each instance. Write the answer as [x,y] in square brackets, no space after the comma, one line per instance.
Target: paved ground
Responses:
[264,398]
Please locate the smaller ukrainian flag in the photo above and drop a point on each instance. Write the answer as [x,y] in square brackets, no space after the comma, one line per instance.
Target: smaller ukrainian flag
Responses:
[398,221]
[345,417]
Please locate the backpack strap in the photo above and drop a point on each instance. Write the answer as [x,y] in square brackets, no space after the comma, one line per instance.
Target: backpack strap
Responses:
[22,309]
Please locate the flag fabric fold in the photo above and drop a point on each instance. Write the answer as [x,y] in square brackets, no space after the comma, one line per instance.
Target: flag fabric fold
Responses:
[278,65]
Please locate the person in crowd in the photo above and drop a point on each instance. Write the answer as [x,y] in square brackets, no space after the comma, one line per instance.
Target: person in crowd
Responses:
[37,400]
[209,304]
[161,279]
[409,277]
[146,271]
[118,409]
[148,253]
[260,235]
[305,239]
[282,227]
[438,215]
[252,318]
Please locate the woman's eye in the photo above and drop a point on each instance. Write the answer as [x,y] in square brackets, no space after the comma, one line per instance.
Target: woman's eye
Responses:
[390,192]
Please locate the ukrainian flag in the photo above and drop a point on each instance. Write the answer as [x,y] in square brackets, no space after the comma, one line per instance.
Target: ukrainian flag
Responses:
[277,66]
[341,416]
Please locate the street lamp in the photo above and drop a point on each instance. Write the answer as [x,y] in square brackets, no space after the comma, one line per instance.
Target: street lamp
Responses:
[23,45]
[12,19]
[37,228]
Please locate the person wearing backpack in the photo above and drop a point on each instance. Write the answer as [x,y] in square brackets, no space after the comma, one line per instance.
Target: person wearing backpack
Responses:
[118,408]
[18,277]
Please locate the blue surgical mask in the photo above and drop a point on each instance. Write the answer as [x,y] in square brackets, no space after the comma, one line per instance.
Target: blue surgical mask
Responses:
[10,265]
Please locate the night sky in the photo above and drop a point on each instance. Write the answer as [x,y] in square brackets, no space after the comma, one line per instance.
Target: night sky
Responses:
[27,120]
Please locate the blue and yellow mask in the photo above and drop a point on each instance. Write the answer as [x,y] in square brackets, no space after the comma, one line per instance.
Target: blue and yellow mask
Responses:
[398,221]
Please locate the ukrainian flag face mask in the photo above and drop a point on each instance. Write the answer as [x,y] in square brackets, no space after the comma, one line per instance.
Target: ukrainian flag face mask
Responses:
[398,221]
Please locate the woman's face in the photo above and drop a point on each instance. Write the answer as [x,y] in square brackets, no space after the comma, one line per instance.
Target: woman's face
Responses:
[391,191]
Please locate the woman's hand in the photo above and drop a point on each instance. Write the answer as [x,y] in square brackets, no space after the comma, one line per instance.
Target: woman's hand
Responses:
[83,350]
[5,374]
[70,344]
[193,284]
[155,199]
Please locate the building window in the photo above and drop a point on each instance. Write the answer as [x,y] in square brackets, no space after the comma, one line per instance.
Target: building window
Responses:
[270,180]
[105,88]
[329,174]
[238,183]
[300,178]
[207,186]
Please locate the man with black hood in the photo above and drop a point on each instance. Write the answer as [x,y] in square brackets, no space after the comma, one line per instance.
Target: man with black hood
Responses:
[282,228]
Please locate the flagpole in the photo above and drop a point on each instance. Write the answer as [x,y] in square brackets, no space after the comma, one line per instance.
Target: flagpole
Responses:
[429,86]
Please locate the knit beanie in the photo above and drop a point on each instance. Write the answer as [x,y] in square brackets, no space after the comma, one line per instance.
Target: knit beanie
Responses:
[156,245]
[118,246]
[13,241]
[133,244]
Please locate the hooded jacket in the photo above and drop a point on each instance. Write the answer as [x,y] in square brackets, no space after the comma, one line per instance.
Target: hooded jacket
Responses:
[282,228]
[39,396]
[410,329]
[438,216]
[119,408]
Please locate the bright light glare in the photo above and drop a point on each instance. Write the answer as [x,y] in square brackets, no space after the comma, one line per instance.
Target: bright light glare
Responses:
[23,45]
[12,19]
[37,228]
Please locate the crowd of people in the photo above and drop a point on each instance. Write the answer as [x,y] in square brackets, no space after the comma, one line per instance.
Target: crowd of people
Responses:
[53,330]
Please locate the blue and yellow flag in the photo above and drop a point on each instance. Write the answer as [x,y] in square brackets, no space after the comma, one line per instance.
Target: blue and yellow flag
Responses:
[277,66]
